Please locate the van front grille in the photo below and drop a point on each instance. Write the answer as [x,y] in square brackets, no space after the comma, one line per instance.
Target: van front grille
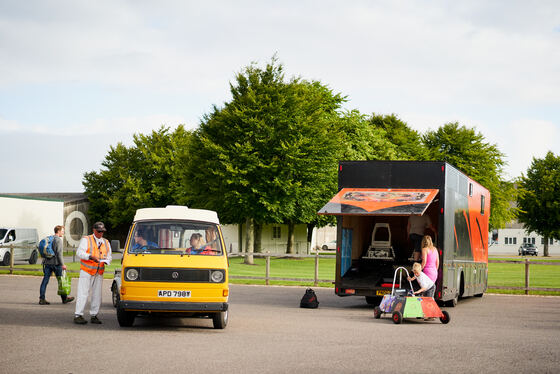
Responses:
[173,275]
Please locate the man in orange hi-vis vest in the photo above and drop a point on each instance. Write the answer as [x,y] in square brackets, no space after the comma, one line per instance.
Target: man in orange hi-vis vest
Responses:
[94,253]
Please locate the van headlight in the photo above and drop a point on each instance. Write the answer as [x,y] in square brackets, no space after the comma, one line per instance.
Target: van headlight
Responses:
[217,276]
[132,274]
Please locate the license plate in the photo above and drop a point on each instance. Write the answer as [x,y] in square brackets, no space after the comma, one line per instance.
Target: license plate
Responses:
[173,293]
[382,292]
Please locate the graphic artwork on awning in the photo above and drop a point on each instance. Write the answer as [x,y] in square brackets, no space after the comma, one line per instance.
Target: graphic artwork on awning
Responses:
[379,201]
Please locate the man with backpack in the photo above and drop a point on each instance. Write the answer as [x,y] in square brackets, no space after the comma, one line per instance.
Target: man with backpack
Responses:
[54,264]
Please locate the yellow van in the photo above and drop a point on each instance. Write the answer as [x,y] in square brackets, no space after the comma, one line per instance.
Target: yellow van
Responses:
[175,264]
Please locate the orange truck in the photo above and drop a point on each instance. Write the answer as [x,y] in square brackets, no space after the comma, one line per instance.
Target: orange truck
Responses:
[373,206]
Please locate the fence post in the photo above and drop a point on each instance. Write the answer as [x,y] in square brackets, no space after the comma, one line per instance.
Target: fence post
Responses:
[267,275]
[316,268]
[526,276]
[11,259]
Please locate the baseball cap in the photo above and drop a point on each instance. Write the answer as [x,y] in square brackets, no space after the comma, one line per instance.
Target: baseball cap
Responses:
[99,226]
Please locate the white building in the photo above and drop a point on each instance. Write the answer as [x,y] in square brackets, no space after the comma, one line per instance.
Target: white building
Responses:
[514,235]
[44,211]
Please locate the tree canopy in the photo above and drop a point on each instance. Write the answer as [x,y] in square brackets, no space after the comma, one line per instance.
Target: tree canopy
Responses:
[407,142]
[467,150]
[539,198]
[136,177]
[272,149]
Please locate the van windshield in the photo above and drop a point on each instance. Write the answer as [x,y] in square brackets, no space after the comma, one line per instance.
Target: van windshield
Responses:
[175,238]
[3,233]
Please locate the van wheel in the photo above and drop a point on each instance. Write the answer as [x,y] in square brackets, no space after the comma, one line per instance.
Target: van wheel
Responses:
[220,320]
[115,295]
[126,319]
[33,258]
[6,261]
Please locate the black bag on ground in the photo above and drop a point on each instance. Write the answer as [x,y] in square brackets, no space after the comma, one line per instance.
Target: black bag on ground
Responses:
[309,300]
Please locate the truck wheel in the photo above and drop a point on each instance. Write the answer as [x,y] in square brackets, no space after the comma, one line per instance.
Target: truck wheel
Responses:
[397,317]
[6,261]
[376,312]
[453,302]
[220,320]
[115,295]
[445,318]
[126,319]
[33,258]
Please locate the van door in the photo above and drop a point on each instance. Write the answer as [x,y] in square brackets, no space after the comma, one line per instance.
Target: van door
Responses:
[11,240]
[26,239]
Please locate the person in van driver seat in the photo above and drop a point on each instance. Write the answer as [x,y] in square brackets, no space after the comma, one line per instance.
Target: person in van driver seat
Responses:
[140,241]
[198,247]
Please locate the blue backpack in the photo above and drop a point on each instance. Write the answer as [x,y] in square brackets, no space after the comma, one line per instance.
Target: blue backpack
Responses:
[46,247]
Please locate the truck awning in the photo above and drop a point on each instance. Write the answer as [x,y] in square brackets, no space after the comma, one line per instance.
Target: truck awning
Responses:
[379,201]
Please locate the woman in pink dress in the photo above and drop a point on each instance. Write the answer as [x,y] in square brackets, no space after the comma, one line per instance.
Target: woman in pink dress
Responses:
[430,258]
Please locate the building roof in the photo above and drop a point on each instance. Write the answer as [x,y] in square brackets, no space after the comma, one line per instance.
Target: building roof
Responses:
[67,197]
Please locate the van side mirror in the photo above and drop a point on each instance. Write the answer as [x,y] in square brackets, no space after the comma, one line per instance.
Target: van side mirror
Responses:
[116,246]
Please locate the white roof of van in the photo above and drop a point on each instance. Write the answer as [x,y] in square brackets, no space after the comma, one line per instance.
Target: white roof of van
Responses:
[177,212]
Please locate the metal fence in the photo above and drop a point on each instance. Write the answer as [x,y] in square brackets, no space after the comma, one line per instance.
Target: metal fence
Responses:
[527,286]
[12,247]
[11,267]
[267,278]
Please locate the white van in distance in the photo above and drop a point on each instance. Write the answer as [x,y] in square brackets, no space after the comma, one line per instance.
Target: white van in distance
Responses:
[25,245]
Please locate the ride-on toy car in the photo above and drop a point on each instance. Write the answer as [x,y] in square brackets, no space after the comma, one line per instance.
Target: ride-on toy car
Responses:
[401,303]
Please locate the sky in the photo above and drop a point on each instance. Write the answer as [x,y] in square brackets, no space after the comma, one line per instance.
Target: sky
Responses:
[77,77]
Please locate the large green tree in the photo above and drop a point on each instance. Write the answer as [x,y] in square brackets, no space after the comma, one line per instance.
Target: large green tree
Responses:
[408,142]
[358,139]
[269,155]
[539,198]
[468,150]
[139,176]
